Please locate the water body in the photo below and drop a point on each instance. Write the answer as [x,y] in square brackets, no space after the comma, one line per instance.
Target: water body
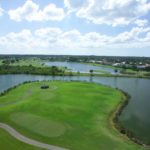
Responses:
[134,117]
[83,68]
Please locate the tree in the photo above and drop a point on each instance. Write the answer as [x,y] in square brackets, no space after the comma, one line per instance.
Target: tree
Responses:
[78,72]
[116,70]
[91,72]
[54,70]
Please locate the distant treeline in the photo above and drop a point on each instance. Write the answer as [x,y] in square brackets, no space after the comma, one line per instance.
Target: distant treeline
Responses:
[78,58]
[53,70]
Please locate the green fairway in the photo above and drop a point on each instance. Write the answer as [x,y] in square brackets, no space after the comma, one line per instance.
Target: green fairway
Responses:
[73,115]
[7,142]
[42,126]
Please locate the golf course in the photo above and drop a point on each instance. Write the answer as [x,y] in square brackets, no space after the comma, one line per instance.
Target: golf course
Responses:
[64,116]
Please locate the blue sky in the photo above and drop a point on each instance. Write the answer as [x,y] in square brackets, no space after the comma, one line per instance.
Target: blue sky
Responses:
[77,27]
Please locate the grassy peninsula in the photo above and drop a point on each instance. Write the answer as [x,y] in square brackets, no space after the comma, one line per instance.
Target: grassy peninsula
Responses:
[72,115]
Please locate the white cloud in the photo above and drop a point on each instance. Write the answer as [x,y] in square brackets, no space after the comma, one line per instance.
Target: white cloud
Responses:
[57,41]
[1,11]
[50,35]
[74,5]
[111,12]
[141,23]
[73,35]
[31,11]
[48,32]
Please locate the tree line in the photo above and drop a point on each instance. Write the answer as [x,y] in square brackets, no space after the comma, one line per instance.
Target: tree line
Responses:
[53,70]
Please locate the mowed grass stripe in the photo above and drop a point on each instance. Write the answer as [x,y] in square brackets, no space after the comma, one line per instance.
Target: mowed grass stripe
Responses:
[39,125]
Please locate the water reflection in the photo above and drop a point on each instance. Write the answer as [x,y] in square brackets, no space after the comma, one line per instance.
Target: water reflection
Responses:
[79,67]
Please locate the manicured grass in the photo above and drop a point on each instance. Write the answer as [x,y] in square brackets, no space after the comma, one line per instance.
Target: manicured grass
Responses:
[101,71]
[7,142]
[73,115]
[101,65]
[36,62]
[42,126]
[136,74]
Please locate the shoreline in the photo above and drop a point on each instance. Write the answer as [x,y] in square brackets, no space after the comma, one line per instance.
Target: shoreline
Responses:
[82,74]
[122,130]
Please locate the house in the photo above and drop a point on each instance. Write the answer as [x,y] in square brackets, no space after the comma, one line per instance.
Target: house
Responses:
[141,67]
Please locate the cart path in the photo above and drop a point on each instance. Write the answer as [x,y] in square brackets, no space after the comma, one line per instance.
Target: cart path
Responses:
[27,140]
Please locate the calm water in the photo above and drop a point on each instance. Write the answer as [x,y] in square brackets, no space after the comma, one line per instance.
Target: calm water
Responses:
[75,67]
[136,115]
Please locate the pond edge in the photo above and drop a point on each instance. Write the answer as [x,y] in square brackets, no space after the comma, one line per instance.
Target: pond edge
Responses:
[114,121]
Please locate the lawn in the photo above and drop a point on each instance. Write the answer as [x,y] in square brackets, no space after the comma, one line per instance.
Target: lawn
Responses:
[73,115]
[36,62]
[7,142]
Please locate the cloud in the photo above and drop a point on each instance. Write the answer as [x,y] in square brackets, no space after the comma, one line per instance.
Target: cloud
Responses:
[74,5]
[31,11]
[132,36]
[48,32]
[50,35]
[141,23]
[110,12]
[56,41]
[1,11]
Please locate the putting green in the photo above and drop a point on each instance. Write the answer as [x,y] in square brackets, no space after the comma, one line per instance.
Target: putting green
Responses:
[76,115]
[39,125]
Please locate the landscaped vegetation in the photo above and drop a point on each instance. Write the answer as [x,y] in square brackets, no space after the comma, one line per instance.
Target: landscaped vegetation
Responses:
[19,61]
[127,66]
[53,70]
[73,115]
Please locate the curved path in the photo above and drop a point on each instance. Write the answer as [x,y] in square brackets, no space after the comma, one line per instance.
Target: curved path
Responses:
[27,140]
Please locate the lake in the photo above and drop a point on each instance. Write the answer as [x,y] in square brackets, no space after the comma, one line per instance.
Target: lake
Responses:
[79,67]
[135,115]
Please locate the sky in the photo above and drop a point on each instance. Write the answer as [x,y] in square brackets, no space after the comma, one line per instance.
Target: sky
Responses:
[75,27]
